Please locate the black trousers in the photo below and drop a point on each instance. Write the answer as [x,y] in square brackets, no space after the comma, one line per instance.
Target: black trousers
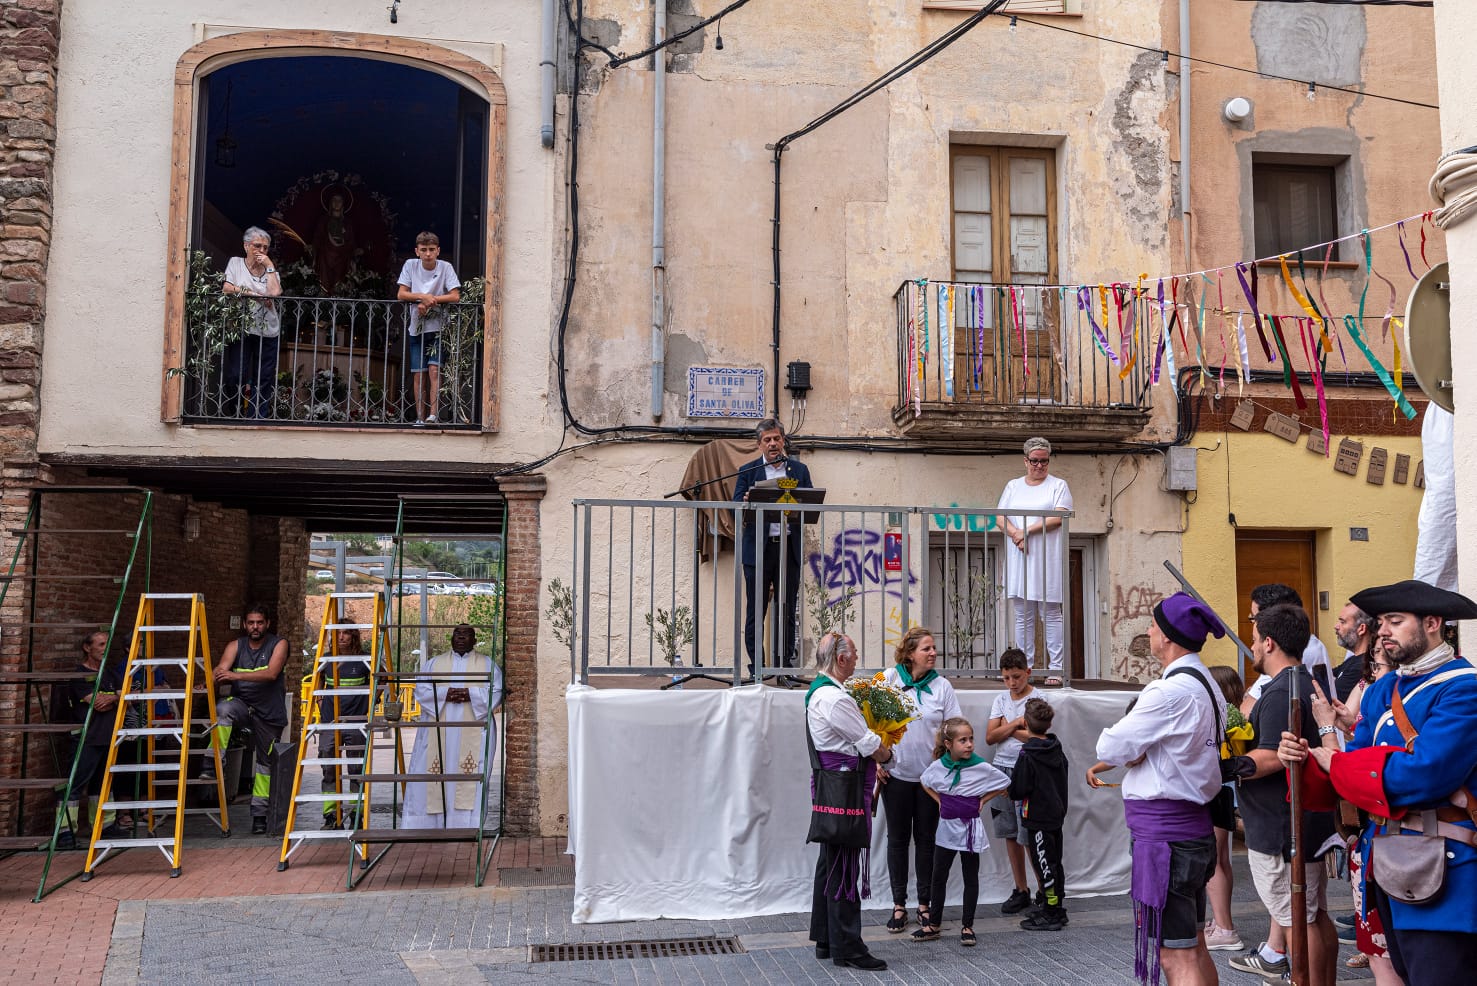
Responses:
[834,924]
[1426,958]
[1046,860]
[911,816]
[785,648]
[969,866]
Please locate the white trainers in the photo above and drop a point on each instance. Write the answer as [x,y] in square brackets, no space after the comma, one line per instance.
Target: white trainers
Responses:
[430,419]
[1219,939]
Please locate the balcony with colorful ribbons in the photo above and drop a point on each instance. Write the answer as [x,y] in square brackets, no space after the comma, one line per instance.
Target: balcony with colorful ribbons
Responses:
[1003,362]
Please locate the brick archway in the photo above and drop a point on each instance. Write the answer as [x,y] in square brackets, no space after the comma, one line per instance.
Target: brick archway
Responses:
[218,52]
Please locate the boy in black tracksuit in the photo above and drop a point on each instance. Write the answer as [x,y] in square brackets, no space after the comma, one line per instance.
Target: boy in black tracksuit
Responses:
[1040,781]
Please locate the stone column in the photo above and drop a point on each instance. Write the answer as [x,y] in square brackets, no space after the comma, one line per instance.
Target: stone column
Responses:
[522,565]
[1456,71]
[30,32]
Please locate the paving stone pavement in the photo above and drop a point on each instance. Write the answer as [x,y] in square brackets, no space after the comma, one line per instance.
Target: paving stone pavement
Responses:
[458,936]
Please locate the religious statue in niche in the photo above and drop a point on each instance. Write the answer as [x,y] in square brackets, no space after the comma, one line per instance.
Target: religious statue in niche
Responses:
[334,248]
[348,249]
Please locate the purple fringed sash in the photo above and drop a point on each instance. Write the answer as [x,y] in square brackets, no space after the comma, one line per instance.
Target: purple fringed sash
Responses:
[850,863]
[1153,826]
[954,806]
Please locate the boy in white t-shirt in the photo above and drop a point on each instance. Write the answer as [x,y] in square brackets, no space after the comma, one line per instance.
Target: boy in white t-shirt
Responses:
[428,282]
[1008,731]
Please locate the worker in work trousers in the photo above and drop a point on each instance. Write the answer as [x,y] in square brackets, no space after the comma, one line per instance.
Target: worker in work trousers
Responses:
[350,743]
[252,666]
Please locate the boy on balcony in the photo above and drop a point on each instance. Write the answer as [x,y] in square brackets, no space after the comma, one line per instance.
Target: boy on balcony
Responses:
[428,282]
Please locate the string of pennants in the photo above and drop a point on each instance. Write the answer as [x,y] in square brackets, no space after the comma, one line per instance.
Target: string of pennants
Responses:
[1148,327]
[1350,452]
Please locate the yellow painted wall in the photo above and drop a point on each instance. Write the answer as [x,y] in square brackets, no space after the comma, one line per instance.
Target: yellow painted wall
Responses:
[1276,485]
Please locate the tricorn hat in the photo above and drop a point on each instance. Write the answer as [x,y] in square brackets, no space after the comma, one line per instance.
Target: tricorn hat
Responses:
[1413,596]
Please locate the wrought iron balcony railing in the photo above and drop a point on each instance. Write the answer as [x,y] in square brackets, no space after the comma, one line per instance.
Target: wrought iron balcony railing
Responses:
[329,361]
[1017,353]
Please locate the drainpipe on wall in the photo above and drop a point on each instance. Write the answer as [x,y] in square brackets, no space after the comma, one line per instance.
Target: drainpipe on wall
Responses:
[546,69]
[1185,132]
[659,213]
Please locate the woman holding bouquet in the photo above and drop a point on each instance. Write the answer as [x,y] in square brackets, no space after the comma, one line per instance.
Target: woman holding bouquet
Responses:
[911,814]
[842,740]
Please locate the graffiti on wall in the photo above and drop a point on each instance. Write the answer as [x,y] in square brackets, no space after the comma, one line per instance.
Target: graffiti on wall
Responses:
[1133,603]
[974,523]
[857,562]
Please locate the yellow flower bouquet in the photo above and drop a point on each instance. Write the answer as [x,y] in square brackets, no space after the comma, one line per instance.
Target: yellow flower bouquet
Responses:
[887,709]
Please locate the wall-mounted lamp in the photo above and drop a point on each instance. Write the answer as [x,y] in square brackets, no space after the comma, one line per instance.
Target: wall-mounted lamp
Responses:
[394,9]
[190,529]
[1237,109]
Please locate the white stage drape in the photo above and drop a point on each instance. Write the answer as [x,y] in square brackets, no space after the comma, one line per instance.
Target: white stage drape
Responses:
[695,804]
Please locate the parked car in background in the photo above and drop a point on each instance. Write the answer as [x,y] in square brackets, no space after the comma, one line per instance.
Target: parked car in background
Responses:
[323,575]
[482,589]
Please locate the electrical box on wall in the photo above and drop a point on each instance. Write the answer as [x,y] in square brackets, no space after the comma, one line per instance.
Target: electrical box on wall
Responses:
[1180,462]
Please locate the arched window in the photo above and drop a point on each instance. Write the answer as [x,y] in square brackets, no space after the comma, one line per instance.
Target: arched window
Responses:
[341,150]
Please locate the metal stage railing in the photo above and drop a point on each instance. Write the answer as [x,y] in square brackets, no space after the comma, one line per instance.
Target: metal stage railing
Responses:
[659,590]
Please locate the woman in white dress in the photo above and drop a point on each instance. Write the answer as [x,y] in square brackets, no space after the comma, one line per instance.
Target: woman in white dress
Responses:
[453,687]
[1033,555]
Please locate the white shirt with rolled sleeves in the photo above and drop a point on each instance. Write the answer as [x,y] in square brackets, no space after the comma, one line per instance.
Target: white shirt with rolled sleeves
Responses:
[836,724]
[914,753]
[1173,727]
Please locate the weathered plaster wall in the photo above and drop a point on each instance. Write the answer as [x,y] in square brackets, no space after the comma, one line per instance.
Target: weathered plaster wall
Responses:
[866,198]
[107,271]
[1388,147]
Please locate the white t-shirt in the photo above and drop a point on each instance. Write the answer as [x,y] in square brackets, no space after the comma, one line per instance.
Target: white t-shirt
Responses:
[437,281]
[1315,656]
[265,320]
[1010,709]
[1035,574]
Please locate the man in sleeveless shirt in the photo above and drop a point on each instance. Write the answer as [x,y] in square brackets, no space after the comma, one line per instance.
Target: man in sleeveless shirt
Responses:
[252,666]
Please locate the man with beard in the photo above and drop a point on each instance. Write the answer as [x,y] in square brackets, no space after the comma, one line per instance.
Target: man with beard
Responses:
[252,666]
[1412,765]
[1355,630]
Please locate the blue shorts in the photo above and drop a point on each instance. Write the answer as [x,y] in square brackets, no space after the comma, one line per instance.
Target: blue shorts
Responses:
[425,350]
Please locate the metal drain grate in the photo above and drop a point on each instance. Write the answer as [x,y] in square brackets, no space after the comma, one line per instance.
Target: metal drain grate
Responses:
[658,948]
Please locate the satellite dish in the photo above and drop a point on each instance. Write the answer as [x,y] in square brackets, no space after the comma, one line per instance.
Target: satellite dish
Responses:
[1428,335]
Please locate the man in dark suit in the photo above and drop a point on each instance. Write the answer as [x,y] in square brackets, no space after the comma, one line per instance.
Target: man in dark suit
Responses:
[762,580]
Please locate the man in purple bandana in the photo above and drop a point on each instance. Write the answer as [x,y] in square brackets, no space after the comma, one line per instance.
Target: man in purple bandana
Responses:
[1170,743]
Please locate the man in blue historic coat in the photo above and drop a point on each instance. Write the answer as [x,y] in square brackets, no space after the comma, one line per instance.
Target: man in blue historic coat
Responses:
[1412,766]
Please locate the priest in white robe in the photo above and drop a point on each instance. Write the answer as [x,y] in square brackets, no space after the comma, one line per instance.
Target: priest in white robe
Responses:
[477,686]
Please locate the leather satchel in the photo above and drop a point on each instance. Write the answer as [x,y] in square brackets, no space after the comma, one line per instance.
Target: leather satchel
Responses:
[1409,866]
[838,815]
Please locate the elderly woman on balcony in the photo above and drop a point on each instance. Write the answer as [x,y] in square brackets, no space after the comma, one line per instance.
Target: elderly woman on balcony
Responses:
[250,366]
[1033,550]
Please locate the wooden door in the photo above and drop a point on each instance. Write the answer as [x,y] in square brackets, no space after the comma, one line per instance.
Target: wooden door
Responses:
[1273,556]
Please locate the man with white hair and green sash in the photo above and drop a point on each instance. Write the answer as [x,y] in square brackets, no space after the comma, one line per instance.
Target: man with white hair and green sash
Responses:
[453,688]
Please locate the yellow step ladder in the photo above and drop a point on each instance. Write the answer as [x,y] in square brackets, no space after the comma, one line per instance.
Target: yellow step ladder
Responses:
[335,735]
[149,678]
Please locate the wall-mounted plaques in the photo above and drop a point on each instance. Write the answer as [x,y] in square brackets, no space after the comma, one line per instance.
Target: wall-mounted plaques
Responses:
[1420,475]
[1316,443]
[1402,468]
[1284,427]
[1378,457]
[1243,415]
[1349,454]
